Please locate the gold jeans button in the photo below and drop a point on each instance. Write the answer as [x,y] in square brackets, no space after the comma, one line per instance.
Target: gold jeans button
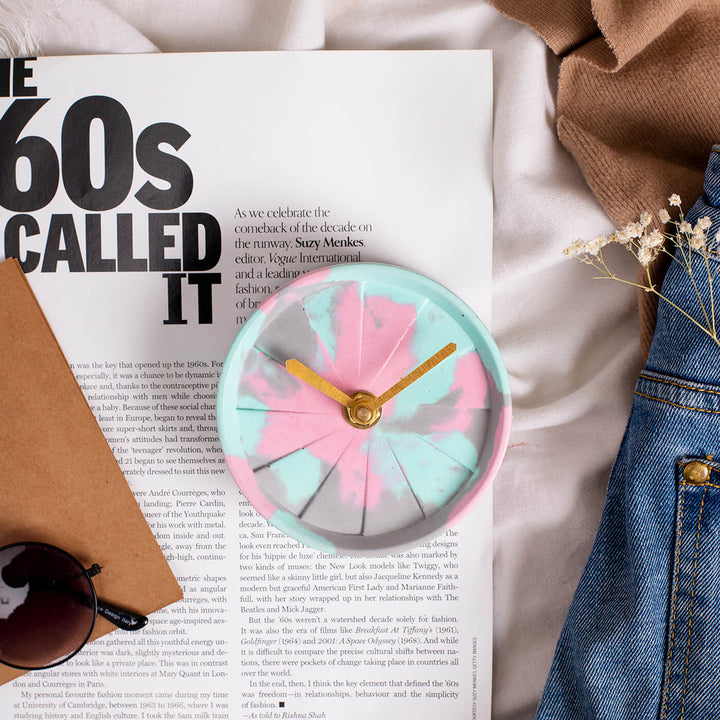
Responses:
[696,473]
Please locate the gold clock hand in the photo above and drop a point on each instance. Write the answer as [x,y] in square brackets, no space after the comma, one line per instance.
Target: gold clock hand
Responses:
[411,377]
[304,373]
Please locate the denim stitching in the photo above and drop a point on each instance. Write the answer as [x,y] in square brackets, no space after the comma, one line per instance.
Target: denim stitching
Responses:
[707,484]
[678,384]
[682,407]
[674,605]
[692,603]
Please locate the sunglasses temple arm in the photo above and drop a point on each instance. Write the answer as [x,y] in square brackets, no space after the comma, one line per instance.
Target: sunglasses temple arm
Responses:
[124,619]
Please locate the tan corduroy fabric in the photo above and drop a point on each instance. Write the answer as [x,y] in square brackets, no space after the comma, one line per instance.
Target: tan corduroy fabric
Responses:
[638,102]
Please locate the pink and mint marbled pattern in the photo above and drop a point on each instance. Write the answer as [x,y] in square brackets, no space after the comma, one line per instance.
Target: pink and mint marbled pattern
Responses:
[363,491]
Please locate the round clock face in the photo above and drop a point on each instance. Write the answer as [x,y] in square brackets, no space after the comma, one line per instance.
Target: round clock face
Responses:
[363,409]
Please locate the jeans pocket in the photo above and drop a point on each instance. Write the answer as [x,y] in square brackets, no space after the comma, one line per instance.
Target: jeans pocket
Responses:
[642,636]
[691,681]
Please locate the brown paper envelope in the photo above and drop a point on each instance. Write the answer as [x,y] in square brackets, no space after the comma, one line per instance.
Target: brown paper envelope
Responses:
[59,480]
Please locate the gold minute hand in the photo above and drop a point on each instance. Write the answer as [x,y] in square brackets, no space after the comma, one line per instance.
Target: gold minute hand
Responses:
[411,377]
[304,373]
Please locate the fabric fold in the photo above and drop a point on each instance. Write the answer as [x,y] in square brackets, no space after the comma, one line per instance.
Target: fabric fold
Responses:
[628,28]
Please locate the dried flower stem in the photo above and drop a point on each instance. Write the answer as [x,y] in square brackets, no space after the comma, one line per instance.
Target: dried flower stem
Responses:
[681,245]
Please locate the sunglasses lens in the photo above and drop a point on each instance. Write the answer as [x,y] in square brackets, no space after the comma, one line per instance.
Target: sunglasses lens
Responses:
[47,605]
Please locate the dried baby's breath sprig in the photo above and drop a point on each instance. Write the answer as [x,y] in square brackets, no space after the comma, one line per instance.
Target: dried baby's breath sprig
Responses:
[684,243]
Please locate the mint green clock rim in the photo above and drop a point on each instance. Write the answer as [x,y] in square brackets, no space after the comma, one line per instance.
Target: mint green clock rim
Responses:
[443,298]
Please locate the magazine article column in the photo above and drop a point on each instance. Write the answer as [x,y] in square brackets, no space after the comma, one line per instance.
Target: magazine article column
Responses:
[151,222]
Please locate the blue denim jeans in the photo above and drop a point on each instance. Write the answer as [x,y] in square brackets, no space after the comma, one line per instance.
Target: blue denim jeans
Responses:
[642,636]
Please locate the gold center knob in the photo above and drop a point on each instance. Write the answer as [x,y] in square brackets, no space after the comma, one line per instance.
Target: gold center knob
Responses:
[363,414]
[360,414]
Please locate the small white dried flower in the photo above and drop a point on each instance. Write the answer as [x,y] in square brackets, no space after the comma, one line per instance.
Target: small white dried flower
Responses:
[622,236]
[635,230]
[697,241]
[646,255]
[645,219]
[703,223]
[664,216]
[674,199]
[685,227]
[576,249]
[593,247]
[654,240]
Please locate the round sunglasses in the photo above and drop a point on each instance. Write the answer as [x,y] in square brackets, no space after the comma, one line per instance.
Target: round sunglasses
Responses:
[48,606]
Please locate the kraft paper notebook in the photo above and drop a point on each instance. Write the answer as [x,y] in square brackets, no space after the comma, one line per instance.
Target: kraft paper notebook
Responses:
[59,480]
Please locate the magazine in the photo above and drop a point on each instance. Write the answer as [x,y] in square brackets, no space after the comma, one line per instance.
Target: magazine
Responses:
[153,202]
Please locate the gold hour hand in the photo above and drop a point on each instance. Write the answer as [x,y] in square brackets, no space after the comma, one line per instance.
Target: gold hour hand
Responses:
[416,374]
[304,373]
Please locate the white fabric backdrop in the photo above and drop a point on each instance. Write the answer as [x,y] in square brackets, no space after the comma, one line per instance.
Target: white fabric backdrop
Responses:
[570,344]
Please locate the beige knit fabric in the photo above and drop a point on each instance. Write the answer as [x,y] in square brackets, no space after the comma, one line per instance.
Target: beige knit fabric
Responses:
[638,102]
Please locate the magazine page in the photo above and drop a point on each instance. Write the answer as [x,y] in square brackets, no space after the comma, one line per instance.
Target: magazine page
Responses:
[154,202]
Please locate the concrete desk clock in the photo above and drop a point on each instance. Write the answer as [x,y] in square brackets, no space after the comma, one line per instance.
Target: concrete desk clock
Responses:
[363,408]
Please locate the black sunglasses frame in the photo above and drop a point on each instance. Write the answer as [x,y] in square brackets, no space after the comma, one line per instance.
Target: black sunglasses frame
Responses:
[121,618]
